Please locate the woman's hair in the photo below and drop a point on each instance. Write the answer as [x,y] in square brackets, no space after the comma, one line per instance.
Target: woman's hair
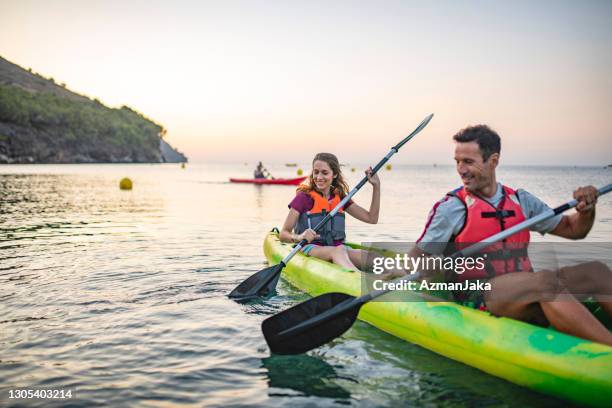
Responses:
[338,185]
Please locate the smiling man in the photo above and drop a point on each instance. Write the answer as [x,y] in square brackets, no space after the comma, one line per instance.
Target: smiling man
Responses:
[483,207]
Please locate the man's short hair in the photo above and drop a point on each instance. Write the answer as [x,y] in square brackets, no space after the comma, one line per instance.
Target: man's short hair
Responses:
[487,139]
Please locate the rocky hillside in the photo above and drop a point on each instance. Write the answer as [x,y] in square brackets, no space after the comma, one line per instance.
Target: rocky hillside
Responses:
[43,122]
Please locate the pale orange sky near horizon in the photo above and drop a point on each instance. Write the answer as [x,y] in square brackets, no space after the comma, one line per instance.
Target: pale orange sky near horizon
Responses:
[279,81]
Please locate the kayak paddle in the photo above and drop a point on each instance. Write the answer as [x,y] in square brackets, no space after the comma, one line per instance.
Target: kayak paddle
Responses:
[321,319]
[264,282]
[267,173]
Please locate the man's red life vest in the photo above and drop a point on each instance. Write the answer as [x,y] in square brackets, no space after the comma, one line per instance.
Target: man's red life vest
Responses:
[483,220]
[334,230]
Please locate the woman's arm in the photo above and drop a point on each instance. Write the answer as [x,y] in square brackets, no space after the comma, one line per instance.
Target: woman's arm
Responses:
[357,211]
[287,234]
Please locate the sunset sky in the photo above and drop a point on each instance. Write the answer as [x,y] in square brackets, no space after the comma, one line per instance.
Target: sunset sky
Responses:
[278,81]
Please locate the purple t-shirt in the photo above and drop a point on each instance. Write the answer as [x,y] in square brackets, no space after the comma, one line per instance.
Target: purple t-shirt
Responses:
[303,202]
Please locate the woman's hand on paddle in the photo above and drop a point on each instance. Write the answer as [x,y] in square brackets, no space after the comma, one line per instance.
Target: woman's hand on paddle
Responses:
[586,197]
[310,235]
[373,179]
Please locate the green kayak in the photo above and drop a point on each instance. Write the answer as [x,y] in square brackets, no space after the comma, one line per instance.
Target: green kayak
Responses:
[541,359]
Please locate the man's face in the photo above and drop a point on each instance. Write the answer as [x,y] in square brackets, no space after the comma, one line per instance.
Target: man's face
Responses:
[475,173]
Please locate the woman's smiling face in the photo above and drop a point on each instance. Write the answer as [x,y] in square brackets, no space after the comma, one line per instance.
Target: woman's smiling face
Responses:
[322,175]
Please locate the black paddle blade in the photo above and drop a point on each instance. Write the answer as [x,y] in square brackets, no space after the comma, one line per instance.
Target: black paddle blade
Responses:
[261,283]
[320,320]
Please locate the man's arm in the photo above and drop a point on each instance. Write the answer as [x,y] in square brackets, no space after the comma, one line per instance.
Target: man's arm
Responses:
[579,224]
[443,220]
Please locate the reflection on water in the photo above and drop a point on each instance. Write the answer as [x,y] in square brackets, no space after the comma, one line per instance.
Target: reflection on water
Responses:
[308,375]
[122,294]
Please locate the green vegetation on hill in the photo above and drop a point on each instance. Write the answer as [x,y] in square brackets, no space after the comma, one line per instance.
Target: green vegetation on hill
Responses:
[42,122]
[84,127]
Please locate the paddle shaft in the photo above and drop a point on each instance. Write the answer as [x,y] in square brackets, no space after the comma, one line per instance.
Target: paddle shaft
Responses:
[472,249]
[354,191]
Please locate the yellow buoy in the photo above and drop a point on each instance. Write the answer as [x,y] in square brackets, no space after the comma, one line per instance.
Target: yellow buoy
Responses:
[182,165]
[125,184]
[300,172]
[352,169]
[388,167]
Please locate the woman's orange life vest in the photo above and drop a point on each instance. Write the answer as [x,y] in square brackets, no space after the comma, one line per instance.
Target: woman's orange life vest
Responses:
[334,230]
[483,220]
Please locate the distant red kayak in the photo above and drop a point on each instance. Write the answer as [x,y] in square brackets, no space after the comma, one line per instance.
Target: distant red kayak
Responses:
[288,182]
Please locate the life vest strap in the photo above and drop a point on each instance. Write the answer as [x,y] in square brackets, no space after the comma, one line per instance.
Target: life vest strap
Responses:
[499,214]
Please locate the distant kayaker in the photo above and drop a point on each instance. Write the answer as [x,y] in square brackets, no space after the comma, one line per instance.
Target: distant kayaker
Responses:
[258,173]
[324,189]
[483,207]
[261,172]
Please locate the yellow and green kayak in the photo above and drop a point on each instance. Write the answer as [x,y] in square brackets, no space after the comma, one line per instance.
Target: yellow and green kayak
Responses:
[539,358]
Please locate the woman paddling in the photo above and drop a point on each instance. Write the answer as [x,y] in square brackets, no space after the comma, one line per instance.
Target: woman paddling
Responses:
[325,189]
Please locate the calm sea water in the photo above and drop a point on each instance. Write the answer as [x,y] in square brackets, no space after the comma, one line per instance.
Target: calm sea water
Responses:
[121,295]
